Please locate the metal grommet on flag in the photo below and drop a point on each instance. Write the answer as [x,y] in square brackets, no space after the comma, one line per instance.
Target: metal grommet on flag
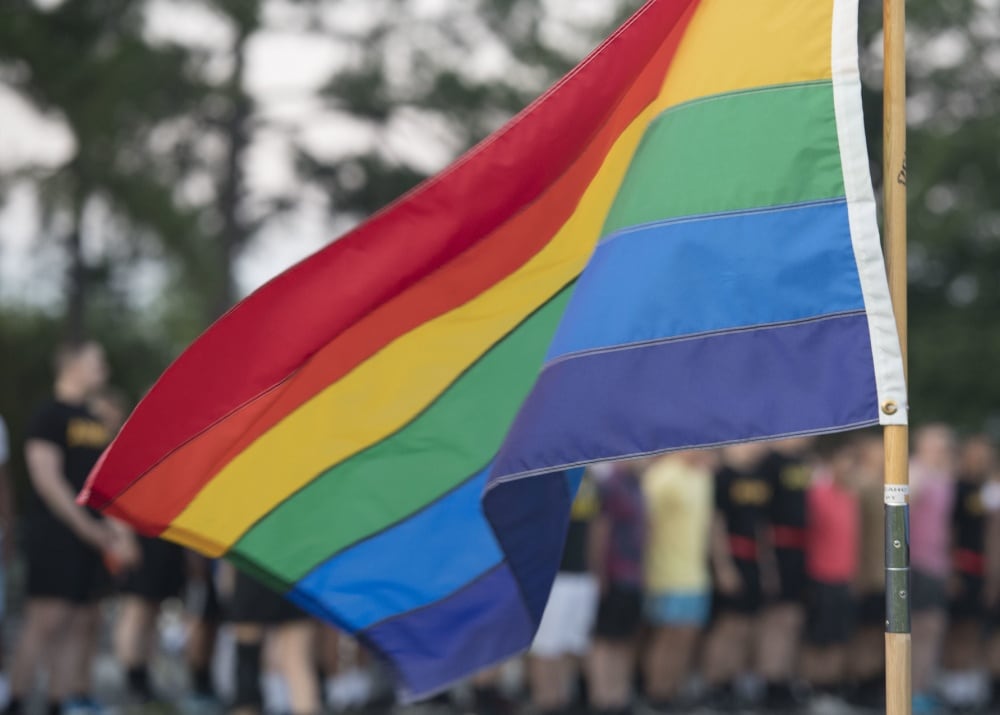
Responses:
[890,407]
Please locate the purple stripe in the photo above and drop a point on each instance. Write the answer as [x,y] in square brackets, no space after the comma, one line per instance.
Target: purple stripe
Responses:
[477,626]
[765,382]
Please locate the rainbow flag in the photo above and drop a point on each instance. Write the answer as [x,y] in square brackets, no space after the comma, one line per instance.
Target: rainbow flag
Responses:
[676,246]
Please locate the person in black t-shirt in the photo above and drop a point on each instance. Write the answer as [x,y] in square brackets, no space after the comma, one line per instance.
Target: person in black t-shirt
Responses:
[64,542]
[742,498]
[781,622]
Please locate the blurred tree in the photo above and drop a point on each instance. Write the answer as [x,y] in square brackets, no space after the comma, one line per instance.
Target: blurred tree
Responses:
[427,85]
[88,62]
[954,211]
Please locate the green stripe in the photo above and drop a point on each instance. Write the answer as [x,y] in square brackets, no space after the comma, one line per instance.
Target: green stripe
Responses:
[451,440]
[742,150]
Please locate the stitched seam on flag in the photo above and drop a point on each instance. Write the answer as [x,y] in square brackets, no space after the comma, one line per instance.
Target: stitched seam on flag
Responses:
[362,632]
[339,623]
[734,213]
[498,481]
[739,93]
[890,381]
[517,581]
[698,336]
[468,584]
[216,546]
[109,500]
[388,527]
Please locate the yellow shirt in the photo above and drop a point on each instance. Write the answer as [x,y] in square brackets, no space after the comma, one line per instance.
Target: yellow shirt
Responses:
[679,501]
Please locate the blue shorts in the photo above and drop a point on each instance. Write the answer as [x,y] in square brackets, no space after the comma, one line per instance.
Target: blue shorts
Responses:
[678,608]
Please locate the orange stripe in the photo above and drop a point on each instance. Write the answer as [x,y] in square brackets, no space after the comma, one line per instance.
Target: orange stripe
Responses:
[189,468]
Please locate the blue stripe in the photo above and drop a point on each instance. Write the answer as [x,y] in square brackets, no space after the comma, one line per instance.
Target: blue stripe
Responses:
[711,273]
[478,626]
[418,561]
[754,384]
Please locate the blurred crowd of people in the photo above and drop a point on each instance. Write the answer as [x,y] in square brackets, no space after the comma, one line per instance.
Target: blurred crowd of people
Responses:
[753,577]
[748,577]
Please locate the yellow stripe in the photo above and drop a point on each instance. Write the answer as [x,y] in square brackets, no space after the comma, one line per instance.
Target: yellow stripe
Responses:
[739,44]
[387,391]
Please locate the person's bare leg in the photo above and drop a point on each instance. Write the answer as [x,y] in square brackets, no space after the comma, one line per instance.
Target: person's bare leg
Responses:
[249,643]
[44,619]
[328,649]
[88,625]
[778,642]
[963,647]
[549,679]
[866,664]
[133,632]
[202,625]
[133,641]
[667,661]
[610,669]
[993,664]
[727,650]
[928,634]
[823,667]
[293,643]
[73,659]
[962,658]
[867,654]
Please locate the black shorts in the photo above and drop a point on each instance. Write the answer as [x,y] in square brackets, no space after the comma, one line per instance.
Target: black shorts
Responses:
[928,593]
[791,575]
[160,575]
[871,610]
[61,566]
[749,600]
[252,602]
[830,617]
[967,604]
[619,614]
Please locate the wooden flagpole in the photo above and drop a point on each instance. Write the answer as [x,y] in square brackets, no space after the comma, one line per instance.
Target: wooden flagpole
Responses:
[897,637]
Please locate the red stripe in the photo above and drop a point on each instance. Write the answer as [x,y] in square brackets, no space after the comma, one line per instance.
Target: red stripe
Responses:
[230,370]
